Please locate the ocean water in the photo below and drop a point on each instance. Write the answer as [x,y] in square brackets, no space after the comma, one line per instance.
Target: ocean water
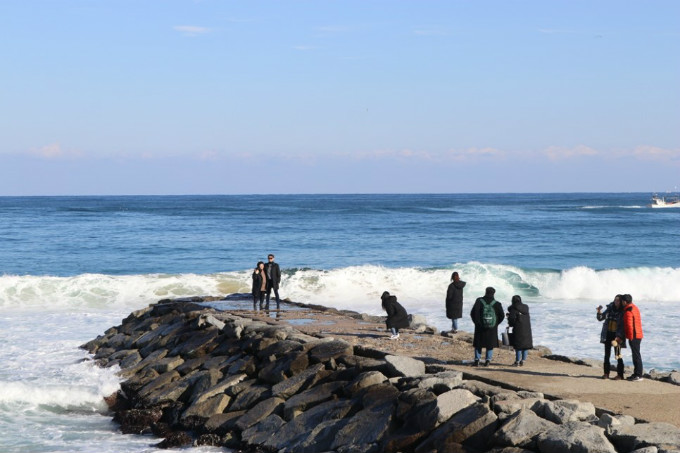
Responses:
[71,267]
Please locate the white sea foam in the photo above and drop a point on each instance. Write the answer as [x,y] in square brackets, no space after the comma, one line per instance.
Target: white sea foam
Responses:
[68,397]
[88,291]
[357,286]
[360,286]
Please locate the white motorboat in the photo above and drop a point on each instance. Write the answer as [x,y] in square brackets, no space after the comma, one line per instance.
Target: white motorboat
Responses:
[665,202]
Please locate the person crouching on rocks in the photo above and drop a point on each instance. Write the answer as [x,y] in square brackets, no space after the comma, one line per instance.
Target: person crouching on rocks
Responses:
[487,314]
[613,319]
[521,338]
[396,314]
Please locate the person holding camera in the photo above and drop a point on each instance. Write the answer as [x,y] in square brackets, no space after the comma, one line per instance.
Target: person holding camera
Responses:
[613,320]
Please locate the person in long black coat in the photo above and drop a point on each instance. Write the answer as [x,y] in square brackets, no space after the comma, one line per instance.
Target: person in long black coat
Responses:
[397,318]
[485,337]
[520,321]
[454,301]
[259,284]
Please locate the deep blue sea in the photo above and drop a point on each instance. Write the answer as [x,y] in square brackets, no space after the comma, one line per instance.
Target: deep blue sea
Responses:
[70,267]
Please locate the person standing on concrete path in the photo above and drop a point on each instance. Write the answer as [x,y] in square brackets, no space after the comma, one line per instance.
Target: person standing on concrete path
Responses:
[259,284]
[632,331]
[613,318]
[487,314]
[397,318]
[454,301]
[273,279]
[521,338]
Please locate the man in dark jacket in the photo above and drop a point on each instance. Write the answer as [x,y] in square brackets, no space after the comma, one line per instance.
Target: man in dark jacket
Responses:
[454,301]
[273,278]
[396,314]
[486,328]
[632,331]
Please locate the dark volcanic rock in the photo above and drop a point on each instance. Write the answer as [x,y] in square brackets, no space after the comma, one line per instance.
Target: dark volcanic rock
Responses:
[137,421]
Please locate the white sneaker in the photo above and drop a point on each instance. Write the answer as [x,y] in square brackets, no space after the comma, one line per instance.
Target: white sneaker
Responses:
[394,337]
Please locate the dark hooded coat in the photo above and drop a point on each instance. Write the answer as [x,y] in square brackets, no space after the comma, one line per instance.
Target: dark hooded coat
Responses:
[485,338]
[454,300]
[520,321]
[396,314]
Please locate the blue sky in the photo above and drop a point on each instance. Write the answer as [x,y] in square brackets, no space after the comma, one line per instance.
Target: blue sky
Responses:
[227,97]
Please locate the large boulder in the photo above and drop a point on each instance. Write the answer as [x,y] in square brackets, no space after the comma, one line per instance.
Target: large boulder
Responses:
[328,350]
[441,382]
[259,412]
[309,398]
[302,426]
[512,405]
[400,366]
[563,411]
[662,435]
[472,427]
[206,408]
[365,380]
[301,381]
[366,427]
[521,429]
[574,437]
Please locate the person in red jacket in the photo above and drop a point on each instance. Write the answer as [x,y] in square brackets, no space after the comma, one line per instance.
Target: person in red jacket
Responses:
[632,330]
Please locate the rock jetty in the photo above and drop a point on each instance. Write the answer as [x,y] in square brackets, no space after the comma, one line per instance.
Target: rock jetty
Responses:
[198,376]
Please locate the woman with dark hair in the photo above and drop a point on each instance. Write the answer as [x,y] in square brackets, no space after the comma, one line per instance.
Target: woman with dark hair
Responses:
[454,301]
[259,284]
[396,314]
[613,320]
[520,321]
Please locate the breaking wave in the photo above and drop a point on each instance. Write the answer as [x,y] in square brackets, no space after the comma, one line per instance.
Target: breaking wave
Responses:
[355,286]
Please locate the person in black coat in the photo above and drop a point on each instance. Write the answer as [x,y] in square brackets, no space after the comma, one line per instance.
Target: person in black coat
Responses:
[273,278]
[521,338]
[486,337]
[397,318]
[259,284]
[454,301]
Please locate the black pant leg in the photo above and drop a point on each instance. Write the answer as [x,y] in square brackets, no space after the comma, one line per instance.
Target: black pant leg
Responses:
[637,357]
[607,356]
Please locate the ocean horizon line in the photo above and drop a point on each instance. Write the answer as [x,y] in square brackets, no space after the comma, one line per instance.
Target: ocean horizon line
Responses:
[121,195]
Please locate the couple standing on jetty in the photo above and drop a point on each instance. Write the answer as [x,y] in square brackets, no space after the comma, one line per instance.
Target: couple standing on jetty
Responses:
[266,277]
[487,314]
[622,322]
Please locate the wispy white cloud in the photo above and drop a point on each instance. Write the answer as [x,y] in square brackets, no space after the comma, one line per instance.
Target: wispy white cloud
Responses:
[191,30]
[473,153]
[561,153]
[657,153]
[53,151]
